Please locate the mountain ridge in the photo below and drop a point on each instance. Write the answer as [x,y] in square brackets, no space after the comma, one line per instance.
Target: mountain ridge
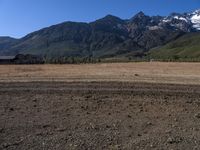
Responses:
[106,37]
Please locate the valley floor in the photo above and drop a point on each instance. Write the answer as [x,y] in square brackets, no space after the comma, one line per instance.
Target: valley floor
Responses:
[100,106]
[151,72]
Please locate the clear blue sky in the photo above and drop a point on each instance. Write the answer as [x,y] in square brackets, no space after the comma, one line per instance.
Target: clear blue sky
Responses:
[19,17]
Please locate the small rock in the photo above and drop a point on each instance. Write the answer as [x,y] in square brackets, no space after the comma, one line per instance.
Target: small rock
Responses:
[152,146]
[88,96]
[46,126]
[189,101]
[141,110]
[11,109]
[184,130]
[39,133]
[197,115]
[61,129]
[145,132]
[174,126]
[107,126]
[170,140]
[137,75]
[149,123]
[5,145]
[173,140]
[92,125]
[168,131]
[129,116]
[1,130]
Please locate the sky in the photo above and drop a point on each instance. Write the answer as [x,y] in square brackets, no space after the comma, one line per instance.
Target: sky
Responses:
[20,17]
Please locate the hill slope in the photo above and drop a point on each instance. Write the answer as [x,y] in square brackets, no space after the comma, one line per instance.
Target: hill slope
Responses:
[187,46]
[5,44]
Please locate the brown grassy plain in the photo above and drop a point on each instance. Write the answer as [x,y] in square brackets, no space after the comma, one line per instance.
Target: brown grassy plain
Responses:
[154,72]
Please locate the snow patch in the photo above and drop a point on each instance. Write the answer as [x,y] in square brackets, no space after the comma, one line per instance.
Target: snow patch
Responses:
[196,12]
[154,28]
[184,19]
[195,19]
[181,18]
[166,20]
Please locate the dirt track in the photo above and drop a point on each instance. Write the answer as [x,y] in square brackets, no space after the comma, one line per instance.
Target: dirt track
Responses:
[99,115]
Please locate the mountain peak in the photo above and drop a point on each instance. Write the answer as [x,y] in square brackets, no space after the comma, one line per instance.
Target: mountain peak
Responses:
[175,14]
[140,19]
[197,11]
[110,17]
[140,14]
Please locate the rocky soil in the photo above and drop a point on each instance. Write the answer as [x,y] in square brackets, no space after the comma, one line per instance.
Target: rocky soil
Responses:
[99,115]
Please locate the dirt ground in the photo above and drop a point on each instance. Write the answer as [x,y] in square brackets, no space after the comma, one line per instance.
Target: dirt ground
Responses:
[99,115]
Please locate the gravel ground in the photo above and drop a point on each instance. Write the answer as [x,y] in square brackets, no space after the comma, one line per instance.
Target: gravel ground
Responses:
[99,115]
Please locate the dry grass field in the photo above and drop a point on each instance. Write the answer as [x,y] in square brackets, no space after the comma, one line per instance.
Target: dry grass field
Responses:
[156,72]
[81,107]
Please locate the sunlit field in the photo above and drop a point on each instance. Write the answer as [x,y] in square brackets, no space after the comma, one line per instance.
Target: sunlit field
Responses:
[159,72]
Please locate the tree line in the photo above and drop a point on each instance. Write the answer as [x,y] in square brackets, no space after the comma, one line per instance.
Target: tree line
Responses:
[71,60]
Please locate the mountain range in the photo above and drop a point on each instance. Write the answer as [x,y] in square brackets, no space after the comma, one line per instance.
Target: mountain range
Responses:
[111,36]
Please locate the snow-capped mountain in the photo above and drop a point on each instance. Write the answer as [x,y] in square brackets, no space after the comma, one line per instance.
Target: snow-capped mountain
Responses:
[107,36]
[195,19]
[187,21]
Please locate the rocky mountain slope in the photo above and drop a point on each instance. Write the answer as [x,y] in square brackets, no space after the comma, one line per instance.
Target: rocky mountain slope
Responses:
[106,37]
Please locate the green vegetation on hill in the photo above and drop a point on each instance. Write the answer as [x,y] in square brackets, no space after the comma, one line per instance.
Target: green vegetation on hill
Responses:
[186,48]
